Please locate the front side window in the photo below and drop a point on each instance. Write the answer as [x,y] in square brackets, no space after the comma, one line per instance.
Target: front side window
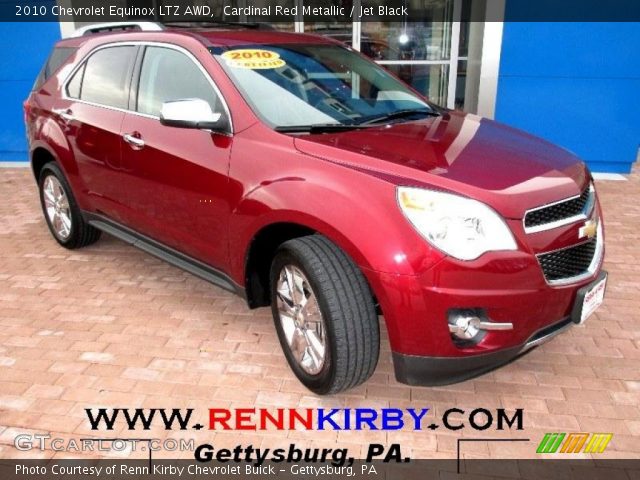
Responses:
[106,76]
[169,75]
[298,85]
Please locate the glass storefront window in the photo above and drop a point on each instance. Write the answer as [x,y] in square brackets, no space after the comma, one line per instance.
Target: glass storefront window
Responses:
[399,41]
[426,37]
[436,53]
[419,52]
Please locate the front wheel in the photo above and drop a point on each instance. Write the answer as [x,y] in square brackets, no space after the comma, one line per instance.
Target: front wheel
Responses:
[324,315]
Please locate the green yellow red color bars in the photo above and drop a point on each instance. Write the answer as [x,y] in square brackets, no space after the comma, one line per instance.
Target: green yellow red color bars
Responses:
[574,442]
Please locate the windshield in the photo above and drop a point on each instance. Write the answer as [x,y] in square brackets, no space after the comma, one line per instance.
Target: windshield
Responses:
[306,85]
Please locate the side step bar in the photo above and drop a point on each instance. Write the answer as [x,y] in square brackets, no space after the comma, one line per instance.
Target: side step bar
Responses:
[163,252]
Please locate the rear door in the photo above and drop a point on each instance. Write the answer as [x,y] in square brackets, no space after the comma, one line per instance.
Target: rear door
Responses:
[177,177]
[91,112]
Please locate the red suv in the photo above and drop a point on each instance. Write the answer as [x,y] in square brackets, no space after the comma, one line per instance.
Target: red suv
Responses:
[292,170]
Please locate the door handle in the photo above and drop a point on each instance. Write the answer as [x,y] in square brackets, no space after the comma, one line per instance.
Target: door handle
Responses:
[136,142]
[64,113]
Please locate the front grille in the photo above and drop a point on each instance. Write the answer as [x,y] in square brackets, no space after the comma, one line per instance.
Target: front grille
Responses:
[568,262]
[558,211]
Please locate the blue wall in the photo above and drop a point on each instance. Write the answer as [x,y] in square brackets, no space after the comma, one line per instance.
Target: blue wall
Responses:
[23,50]
[575,84]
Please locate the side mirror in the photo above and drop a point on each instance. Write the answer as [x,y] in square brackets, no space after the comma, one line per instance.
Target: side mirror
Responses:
[190,113]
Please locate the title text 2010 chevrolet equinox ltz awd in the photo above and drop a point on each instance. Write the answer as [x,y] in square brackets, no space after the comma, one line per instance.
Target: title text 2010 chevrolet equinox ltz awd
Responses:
[295,172]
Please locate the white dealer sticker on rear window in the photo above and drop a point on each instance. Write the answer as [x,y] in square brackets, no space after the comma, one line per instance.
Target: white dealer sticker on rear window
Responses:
[253,59]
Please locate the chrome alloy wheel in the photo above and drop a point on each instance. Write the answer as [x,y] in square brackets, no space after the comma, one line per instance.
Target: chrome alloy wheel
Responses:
[56,204]
[301,319]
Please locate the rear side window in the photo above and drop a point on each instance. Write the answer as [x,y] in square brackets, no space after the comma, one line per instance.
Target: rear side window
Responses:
[56,59]
[168,75]
[74,85]
[104,79]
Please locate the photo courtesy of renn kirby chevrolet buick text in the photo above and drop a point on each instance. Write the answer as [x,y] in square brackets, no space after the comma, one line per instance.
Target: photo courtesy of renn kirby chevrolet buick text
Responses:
[297,173]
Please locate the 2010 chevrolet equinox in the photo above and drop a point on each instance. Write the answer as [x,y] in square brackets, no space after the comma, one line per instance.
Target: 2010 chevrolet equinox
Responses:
[297,173]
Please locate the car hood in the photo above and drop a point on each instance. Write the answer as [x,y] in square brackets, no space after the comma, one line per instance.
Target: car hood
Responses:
[502,166]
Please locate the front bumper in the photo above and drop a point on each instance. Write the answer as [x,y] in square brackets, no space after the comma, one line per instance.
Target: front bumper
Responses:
[435,371]
[509,287]
[505,287]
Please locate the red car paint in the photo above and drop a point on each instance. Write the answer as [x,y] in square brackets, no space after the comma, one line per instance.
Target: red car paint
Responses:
[210,195]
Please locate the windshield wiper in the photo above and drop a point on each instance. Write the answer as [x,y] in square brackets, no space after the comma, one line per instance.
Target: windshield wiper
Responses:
[399,114]
[320,128]
[366,123]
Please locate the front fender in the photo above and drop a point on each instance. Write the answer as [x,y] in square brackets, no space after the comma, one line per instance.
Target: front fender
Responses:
[357,211]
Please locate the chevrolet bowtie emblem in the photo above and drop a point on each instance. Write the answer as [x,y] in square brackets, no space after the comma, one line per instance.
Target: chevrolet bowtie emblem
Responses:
[589,229]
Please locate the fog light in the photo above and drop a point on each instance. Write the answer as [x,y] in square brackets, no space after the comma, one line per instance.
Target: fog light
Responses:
[470,325]
[464,325]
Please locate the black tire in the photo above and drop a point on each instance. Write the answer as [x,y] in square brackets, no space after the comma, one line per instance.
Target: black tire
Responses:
[81,233]
[348,311]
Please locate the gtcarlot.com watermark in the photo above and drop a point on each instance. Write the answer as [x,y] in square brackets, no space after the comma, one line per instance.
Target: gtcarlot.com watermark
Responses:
[26,442]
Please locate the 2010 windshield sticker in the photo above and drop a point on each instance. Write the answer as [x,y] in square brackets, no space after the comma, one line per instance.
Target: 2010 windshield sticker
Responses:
[253,59]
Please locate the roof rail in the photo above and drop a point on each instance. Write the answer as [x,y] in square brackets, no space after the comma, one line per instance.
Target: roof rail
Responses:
[209,24]
[116,26]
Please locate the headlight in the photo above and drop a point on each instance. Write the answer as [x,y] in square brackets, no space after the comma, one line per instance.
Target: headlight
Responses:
[460,227]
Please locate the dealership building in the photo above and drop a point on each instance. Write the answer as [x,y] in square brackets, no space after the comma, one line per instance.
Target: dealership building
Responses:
[573,83]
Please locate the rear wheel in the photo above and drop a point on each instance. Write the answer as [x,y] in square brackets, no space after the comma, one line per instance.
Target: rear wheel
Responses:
[324,315]
[61,211]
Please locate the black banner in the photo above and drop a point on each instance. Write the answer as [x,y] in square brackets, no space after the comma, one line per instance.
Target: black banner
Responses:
[332,11]
[567,469]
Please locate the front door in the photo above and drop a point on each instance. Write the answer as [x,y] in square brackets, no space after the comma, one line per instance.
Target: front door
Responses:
[178,176]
